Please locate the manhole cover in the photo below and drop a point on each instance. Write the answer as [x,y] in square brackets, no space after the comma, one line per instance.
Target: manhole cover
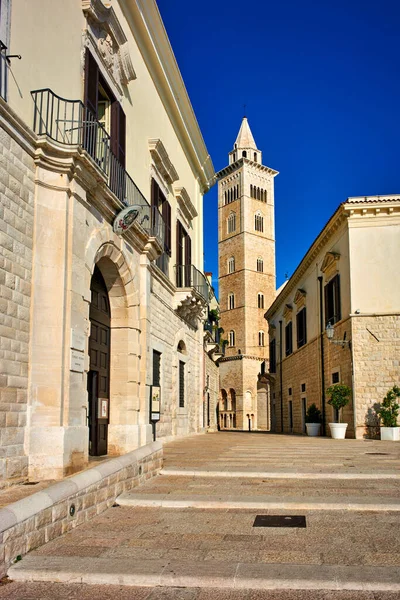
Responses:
[378,453]
[279,521]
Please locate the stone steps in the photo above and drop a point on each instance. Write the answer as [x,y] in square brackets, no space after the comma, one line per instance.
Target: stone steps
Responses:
[211,574]
[294,473]
[336,503]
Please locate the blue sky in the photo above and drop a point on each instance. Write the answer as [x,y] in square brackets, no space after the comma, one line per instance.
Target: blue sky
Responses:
[321,81]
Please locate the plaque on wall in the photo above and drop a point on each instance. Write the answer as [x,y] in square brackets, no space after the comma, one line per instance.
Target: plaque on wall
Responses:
[77,340]
[155,403]
[103,408]
[77,361]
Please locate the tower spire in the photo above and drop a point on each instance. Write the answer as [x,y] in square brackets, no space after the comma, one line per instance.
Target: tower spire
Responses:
[245,145]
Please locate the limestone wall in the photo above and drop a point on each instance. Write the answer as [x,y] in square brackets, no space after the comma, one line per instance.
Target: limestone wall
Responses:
[211,393]
[16,231]
[44,516]
[167,330]
[376,348]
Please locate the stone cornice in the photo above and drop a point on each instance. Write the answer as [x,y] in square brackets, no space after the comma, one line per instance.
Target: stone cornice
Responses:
[239,164]
[185,204]
[109,41]
[337,219]
[241,357]
[162,161]
[147,26]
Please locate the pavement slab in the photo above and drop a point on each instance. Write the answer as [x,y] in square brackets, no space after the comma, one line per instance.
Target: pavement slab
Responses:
[189,533]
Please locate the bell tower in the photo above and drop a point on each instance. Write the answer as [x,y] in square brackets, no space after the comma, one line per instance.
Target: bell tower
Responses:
[246,252]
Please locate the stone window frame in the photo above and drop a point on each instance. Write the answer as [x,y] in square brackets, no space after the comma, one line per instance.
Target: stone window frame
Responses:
[259,222]
[231,301]
[231,265]
[231,223]
[232,338]
[260,263]
[261,338]
[260,300]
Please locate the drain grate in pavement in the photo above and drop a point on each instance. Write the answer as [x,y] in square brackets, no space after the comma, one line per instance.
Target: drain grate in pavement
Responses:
[279,521]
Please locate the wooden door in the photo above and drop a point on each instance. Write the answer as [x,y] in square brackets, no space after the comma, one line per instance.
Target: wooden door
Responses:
[99,373]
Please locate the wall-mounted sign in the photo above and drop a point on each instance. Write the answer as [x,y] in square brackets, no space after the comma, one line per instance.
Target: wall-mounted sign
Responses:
[103,408]
[77,361]
[77,340]
[155,403]
[125,219]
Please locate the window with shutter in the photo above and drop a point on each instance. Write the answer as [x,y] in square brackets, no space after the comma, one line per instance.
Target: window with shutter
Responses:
[288,338]
[301,326]
[272,356]
[332,301]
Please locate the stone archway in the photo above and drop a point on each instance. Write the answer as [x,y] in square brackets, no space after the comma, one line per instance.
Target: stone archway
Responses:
[124,366]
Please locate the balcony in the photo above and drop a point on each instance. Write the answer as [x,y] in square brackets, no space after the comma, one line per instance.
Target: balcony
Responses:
[193,293]
[71,123]
[3,71]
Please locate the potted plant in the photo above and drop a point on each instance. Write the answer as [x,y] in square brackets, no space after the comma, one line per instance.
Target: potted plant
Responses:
[339,396]
[313,420]
[388,413]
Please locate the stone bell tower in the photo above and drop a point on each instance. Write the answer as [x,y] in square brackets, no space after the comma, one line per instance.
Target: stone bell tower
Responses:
[246,252]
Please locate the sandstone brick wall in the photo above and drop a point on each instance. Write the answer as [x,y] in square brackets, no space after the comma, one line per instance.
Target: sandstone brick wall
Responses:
[44,516]
[304,367]
[16,232]
[212,383]
[376,348]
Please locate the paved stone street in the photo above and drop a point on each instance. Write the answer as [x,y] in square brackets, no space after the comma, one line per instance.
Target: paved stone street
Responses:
[155,540]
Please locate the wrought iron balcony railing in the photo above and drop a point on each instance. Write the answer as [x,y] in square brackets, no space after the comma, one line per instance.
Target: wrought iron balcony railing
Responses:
[3,71]
[71,123]
[187,276]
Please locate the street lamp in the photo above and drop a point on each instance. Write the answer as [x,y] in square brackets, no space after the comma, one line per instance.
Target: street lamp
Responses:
[330,332]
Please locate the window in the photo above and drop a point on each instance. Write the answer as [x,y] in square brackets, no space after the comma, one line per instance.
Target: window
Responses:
[272,356]
[301,326]
[231,339]
[255,156]
[261,338]
[289,391]
[259,223]
[160,203]
[260,300]
[232,222]
[101,104]
[288,338]
[332,301]
[183,257]
[181,384]
[335,377]
[303,387]
[260,265]
[244,154]
[231,265]
[156,368]
[231,301]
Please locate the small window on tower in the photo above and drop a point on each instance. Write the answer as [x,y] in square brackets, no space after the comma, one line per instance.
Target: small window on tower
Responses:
[231,301]
[232,222]
[259,223]
[260,300]
[231,265]
[261,338]
[231,339]
[244,154]
[260,265]
[255,156]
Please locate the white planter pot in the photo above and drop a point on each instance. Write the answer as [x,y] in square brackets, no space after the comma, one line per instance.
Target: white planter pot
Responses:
[338,430]
[313,429]
[391,434]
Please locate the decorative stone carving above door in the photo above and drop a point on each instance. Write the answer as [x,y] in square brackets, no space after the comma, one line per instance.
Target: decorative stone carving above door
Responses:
[106,38]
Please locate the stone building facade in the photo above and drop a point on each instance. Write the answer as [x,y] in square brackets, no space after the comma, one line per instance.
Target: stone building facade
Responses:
[246,281]
[102,176]
[348,278]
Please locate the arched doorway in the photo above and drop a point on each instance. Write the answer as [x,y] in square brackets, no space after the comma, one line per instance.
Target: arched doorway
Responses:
[98,382]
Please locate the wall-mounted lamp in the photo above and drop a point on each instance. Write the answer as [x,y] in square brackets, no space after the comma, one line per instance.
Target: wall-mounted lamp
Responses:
[330,332]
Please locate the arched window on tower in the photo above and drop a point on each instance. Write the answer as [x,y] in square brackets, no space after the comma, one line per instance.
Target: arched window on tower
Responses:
[261,338]
[231,339]
[225,198]
[255,156]
[237,191]
[244,154]
[231,265]
[260,265]
[259,222]
[260,300]
[251,191]
[258,194]
[231,222]
[231,301]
